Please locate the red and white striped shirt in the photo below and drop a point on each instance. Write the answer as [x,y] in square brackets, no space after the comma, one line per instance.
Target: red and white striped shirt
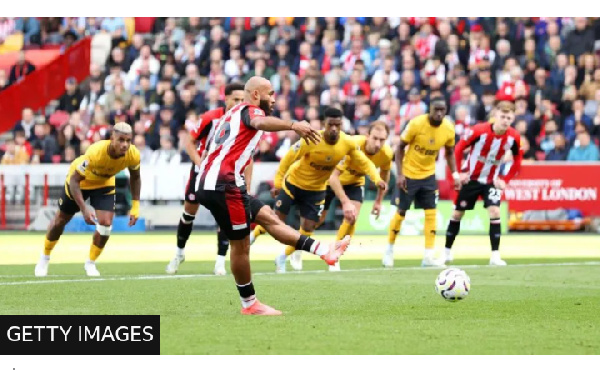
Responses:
[487,151]
[205,127]
[230,149]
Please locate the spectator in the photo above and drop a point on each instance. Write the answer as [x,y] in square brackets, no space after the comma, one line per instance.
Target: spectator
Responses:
[283,72]
[14,154]
[20,69]
[528,151]
[560,150]
[166,154]
[385,70]
[69,155]
[115,26]
[580,40]
[145,153]
[68,138]
[118,93]
[71,100]
[484,109]
[94,96]
[584,149]
[46,143]
[413,107]
[30,28]
[51,30]
[7,28]
[153,65]
[590,85]
[577,116]
[26,123]
[522,111]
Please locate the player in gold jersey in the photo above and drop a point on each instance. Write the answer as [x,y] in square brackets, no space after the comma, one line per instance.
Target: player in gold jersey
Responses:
[303,174]
[92,176]
[420,143]
[348,180]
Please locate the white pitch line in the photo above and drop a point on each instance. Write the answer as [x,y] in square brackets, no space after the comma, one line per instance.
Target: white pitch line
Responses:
[161,277]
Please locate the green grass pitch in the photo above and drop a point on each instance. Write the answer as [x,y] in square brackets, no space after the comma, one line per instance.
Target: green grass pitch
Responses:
[545,302]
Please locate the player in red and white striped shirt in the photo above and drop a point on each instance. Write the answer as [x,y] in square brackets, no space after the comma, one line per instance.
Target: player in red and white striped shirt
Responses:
[489,144]
[221,187]
[234,94]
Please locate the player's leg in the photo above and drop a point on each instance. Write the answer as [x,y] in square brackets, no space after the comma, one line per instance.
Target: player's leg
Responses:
[55,230]
[288,236]
[451,233]
[329,195]
[186,222]
[283,202]
[101,235]
[231,209]
[356,194]
[491,200]
[184,229]
[222,247]
[402,200]
[426,197]
[311,205]
[465,201]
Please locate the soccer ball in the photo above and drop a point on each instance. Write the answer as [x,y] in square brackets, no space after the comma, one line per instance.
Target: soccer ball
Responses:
[453,284]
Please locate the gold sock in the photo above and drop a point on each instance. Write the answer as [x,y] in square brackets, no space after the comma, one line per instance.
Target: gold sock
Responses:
[95,252]
[345,229]
[49,246]
[429,228]
[395,226]
[291,249]
[258,231]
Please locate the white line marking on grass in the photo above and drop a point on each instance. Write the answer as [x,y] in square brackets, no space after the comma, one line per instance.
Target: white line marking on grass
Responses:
[161,277]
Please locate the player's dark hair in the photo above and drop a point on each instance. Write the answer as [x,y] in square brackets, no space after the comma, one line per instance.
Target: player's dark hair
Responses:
[331,112]
[233,87]
[437,99]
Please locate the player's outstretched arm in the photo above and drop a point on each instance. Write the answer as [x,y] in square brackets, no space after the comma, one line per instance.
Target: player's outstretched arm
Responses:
[302,128]
[135,183]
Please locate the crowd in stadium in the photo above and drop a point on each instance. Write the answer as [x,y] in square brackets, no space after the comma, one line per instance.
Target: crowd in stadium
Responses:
[377,68]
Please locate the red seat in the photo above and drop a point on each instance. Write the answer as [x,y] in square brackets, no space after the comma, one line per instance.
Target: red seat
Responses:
[144,24]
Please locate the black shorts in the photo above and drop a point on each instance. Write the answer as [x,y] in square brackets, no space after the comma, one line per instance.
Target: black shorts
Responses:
[469,193]
[424,192]
[190,188]
[353,192]
[233,210]
[310,203]
[102,199]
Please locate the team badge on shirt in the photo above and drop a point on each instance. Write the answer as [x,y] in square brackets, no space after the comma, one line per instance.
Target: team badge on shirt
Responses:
[83,166]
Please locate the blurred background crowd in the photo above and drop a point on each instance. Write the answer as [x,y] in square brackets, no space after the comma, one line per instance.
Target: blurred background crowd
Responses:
[161,74]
